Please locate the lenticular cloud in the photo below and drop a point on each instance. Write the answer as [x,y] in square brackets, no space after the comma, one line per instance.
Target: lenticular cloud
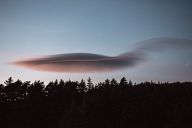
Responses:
[80,62]
[88,62]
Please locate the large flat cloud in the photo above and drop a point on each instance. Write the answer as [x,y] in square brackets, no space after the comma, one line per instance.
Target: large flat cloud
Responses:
[80,62]
[88,62]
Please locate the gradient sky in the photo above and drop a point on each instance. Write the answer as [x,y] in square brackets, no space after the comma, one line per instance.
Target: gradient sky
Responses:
[32,28]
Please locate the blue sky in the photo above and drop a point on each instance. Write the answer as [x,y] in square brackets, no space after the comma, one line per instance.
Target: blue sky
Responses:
[30,28]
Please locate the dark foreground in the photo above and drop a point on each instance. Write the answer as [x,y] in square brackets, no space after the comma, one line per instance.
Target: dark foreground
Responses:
[106,105]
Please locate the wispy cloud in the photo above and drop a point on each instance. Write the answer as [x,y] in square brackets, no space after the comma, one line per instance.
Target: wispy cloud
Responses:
[88,62]
[163,43]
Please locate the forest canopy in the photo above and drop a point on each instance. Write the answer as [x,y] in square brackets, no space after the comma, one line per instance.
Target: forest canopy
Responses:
[82,104]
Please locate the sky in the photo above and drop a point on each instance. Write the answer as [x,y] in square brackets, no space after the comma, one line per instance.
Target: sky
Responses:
[150,38]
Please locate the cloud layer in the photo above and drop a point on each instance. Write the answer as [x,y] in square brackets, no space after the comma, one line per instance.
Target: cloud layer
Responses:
[88,62]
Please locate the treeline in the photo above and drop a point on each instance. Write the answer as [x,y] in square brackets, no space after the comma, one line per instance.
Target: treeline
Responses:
[109,104]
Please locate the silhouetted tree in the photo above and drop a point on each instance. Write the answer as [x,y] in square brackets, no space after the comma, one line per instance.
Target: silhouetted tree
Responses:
[82,86]
[114,82]
[130,83]
[123,82]
[9,81]
[89,83]
[107,82]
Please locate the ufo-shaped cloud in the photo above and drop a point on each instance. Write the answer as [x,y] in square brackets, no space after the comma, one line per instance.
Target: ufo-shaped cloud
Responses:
[80,62]
[88,62]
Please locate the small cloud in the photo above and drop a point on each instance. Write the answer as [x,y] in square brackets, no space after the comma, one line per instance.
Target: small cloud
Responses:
[163,43]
